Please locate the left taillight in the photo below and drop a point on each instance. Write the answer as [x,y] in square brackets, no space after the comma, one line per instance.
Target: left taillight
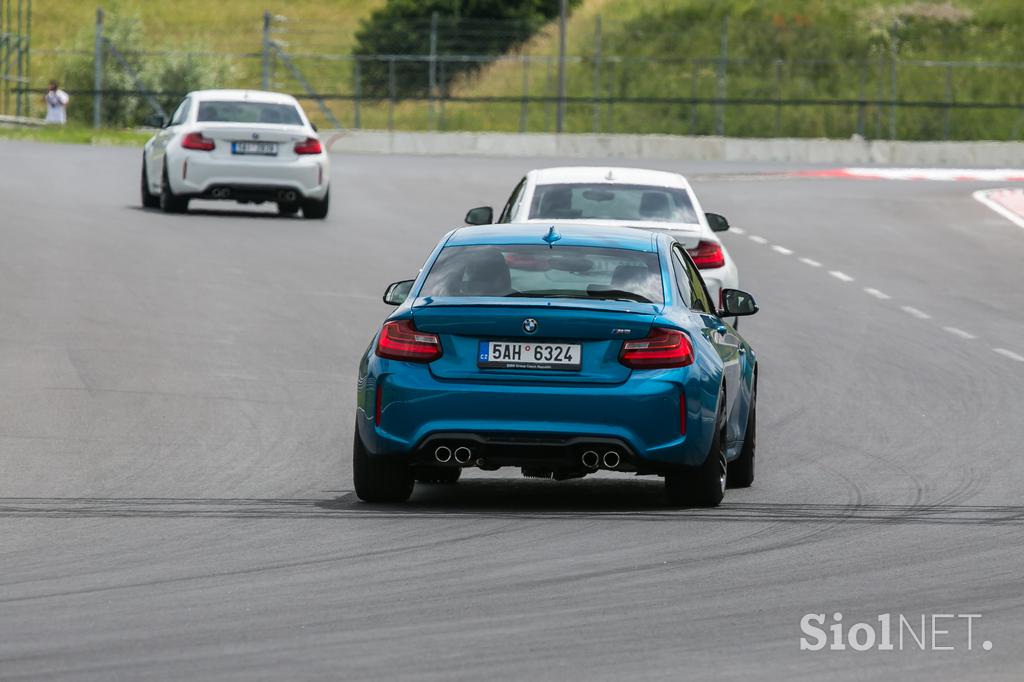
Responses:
[198,142]
[310,145]
[707,255]
[660,349]
[400,340]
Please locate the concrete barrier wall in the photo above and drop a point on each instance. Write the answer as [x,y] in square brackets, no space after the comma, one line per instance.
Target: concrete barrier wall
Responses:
[589,146]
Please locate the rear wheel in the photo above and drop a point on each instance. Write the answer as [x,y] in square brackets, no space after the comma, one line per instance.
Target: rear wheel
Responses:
[149,200]
[704,487]
[741,469]
[379,479]
[439,475]
[169,201]
[316,209]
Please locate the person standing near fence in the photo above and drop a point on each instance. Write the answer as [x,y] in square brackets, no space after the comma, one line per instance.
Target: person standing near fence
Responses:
[56,104]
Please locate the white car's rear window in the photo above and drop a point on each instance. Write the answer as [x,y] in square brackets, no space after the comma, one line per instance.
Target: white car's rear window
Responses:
[611,201]
[248,112]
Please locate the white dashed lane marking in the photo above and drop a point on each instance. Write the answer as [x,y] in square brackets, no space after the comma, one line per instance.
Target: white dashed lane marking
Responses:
[1009,354]
[959,332]
[919,314]
[738,230]
[880,295]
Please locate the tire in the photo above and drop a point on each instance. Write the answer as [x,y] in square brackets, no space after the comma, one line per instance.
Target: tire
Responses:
[169,201]
[286,208]
[379,479]
[741,469]
[316,209]
[149,200]
[438,475]
[704,487]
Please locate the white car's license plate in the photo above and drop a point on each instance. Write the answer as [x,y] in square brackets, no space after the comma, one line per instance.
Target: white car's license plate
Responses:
[258,148]
[529,355]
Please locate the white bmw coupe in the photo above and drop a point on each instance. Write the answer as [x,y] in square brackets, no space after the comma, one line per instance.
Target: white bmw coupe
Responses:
[626,197]
[237,145]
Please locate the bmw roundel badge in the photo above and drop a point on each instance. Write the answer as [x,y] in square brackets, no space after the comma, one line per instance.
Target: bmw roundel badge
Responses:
[529,325]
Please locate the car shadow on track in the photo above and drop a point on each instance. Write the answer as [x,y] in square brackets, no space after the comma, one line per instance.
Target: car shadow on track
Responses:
[504,498]
[217,213]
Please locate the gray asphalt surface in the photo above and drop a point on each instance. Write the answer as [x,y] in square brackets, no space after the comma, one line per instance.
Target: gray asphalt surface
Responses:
[176,402]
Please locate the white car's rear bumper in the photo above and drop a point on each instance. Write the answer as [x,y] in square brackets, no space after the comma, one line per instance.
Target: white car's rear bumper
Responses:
[200,174]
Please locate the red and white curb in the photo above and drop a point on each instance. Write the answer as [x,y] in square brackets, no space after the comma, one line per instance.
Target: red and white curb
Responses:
[932,174]
[1008,203]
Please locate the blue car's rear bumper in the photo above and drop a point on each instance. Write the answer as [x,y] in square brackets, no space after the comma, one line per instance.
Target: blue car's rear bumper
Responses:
[643,413]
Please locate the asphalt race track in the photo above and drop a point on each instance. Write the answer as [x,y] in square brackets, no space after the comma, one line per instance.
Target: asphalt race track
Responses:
[176,408]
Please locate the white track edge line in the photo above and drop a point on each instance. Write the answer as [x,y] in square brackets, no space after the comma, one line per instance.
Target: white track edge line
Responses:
[982,196]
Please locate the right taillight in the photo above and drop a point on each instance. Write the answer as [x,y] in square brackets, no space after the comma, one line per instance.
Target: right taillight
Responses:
[707,255]
[310,145]
[400,340]
[198,142]
[661,348]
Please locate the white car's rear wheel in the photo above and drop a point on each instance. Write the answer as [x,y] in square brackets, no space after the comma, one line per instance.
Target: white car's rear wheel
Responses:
[316,209]
[169,201]
[149,200]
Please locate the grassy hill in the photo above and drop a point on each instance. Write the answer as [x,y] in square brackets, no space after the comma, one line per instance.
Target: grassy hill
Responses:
[831,49]
[653,50]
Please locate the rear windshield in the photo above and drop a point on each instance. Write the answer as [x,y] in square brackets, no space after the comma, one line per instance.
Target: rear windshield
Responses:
[249,112]
[605,201]
[545,272]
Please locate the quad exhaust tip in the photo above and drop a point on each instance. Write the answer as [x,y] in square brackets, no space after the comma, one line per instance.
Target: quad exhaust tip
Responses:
[463,454]
[590,459]
[221,193]
[287,195]
[611,459]
[443,454]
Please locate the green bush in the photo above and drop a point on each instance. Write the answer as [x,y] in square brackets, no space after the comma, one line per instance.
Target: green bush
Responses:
[173,74]
[471,28]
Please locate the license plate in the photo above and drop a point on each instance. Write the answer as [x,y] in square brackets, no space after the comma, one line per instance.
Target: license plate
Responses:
[529,355]
[258,148]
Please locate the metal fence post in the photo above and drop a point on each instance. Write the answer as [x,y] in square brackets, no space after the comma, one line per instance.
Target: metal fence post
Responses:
[28,57]
[894,88]
[778,97]
[357,77]
[432,68]
[524,103]
[265,66]
[391,93]
[97,83]
[693,97]
[597,73]
[722,85]
[861,104]
[21,58]
[949,102]
[563,17]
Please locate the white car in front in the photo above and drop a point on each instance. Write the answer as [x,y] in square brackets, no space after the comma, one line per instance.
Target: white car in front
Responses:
[238,145]
[630,197]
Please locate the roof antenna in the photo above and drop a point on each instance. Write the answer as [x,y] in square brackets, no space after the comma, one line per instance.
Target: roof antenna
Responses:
[610,176]
[552,236]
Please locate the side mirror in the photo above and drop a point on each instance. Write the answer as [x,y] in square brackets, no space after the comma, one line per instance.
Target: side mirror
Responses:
[736,303]
[154,121]
[717,222]
[397,292]
[481,215]
[313,126]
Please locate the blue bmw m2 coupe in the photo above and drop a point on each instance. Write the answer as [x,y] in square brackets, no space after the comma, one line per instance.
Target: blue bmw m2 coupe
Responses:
[561,350]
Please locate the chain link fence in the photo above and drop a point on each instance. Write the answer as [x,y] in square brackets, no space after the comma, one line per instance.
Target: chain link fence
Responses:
[747,81]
